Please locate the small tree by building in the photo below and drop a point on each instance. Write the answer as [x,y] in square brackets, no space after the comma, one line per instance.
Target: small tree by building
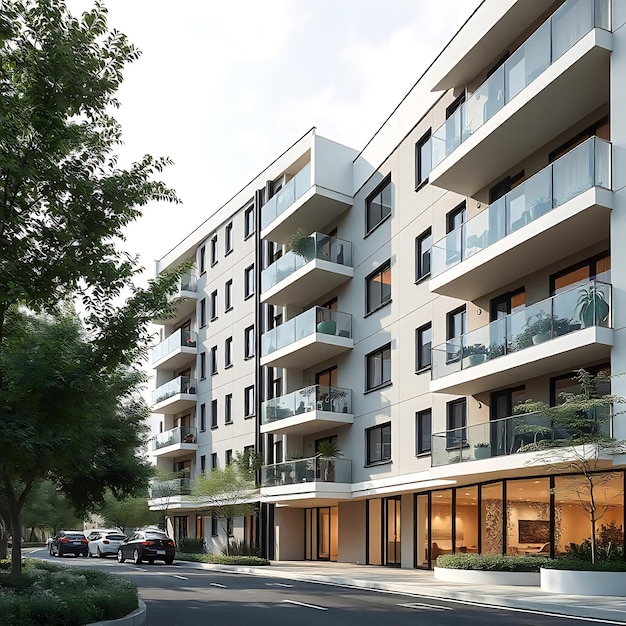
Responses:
[130,512]
[579,440]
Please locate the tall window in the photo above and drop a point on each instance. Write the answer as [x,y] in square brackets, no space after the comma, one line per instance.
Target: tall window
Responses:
[213,460]
[378,443]
[379,287]
[230,527]
[202,260]
[423,345]
[248,342]
[248,277]
[202,365]
[214,250]
[203,463]
[228,295]
[228,456]
[423,244]
[214,305]
[456,423]
[423,160]
[457,323]
[214,360]
[378,205]
[228,408]
[228,239]
[214,527]
[423,431]
[378,368]
[214,413]
[248,222]
[202,417]
[228,352]
[248,401]
[202,312]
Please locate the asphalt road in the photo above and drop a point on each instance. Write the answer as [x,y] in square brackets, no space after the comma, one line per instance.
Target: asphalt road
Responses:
[177,595]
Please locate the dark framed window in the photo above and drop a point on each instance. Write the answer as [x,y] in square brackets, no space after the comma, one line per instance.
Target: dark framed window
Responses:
[202,417]
[228,457]
[202,259]
[248,278]
[228,295]
[456,423]
[214,360]
[203,463]
[248,401]
[248,342]
[214,532]
[378,443]
[423,431]
[378,292]
[456,323]
[378,205]
[248,222]
[228,408]
[423,346]
[423,160]
[230,527]
[278,451]
[202,365]
[214,413]
[214,305]
[378,366]
[228,239]
[213,460]
[423,245]
[228,352]
[456,217]
[202,312]
[214,250]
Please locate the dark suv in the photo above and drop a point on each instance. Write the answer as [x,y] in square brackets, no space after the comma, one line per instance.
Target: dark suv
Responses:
[69,542]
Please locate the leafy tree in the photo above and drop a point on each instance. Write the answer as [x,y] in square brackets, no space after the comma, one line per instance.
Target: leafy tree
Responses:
[579,441]
[164,487]
[230,492]
[48,509]
[126,513]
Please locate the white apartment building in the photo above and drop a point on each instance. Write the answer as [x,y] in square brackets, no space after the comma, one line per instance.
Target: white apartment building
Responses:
[441,286]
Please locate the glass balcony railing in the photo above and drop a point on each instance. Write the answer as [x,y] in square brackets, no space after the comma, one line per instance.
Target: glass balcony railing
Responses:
[315,320]
[321,247]
[179,339]
[175,436]
[279,203]
[567,25]
[312,398]
[585,305]
[503,437]
[182,384]
[169,488]
[312,470]
[188,282]
[586,166]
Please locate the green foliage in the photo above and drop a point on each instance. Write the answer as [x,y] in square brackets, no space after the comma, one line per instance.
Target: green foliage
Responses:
[50,595]
[48,508]
[222,559]
[328,449]
[240,548]
[129,512]
[581,565]
[492,562]
[302,244]
[191,545]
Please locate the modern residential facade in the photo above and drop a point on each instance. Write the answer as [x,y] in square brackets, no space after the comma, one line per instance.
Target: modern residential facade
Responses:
[375,364]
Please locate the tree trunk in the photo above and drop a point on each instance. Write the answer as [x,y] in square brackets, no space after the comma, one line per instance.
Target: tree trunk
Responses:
[592,516]
[16,550]
[3,540]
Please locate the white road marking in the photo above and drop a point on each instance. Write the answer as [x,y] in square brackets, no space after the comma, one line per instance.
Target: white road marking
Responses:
[422,605]
[309,606]
[278,585]
[180,577]
[140,569]
[218,585]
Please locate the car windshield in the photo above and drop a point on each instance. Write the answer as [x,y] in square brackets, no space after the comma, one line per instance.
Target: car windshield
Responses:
[156,536]
[116,537]
[74,535]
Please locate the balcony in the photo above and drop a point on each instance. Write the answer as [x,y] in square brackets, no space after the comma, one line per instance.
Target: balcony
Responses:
[298,279]
[532,98]
[175,442]
[170,488]
[176,350]
[307,472]
[185,300]
[501,437]
[177,395]
[564,207]
[570,328]
[302,203]
[309,410]
[311,337]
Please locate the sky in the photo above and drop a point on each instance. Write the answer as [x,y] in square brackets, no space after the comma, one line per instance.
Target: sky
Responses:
[223,88]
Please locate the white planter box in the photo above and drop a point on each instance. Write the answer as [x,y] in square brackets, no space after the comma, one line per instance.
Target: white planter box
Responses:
[482,577]
[583,583]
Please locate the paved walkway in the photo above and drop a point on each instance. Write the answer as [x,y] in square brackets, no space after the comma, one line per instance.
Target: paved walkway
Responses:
[422,583]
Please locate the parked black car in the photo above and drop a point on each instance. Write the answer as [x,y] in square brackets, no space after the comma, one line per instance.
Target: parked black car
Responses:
[147,545]
[69,542]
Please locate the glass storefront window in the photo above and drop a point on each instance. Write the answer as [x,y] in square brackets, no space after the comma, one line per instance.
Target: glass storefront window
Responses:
[421,530]
[528,516]
[441,524]
[467,519]
[491,518]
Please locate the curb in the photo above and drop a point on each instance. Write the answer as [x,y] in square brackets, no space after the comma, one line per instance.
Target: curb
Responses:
[138,617]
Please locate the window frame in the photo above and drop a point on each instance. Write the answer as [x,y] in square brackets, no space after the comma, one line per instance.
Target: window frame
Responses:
[450,406]
[228,352]
[214,460]
[202,365]
[248,402]
[422,142]
[228,408]
[202,260]
[214,251]
[249,289]
[202,314]
[419,434]
[228,239]
[369,460]
[249,226]
[202,417]
[368,368]
[379,271]
[214,408]
[214,364]
[214,526]
[420,273]
[378,191]
[248,343]
[420,366]
[228,295]
[214,304]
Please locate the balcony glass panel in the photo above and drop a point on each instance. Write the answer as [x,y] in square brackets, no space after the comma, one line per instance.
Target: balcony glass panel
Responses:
[279,203]
[584,167]
[586,305]
[175,436]
[312,470]
[567,25]
[318,320]
[188,282]
[501,437]
[182,384]
[169,488]
[312,398]
[179,339]
[321,247]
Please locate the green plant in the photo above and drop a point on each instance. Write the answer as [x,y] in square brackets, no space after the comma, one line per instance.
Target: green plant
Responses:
[476,348]
[592,308]
[241,548]
[302,244]
[328,449]
[482,444]
[492,562]
[222,559]
[581,565]
[194,545]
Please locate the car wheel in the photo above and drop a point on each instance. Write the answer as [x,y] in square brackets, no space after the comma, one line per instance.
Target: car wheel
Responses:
[150,561]
[120,557]
[59,553]
[85,554]
[100,555]
[136,557]
[169,561]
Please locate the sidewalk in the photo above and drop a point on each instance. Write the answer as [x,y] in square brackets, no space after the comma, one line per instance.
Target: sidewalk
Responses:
[422,583]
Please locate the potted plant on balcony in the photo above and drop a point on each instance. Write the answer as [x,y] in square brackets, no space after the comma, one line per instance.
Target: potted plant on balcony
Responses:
[540,206]
[327,453]
[302,244]
[474,354]
[592,308]
[482,450]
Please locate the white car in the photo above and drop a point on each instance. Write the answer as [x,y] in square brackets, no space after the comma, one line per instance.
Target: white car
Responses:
[104,542]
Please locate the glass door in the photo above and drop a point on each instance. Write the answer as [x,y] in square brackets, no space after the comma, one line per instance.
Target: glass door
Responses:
[328,533]
[392,531]
[503,431]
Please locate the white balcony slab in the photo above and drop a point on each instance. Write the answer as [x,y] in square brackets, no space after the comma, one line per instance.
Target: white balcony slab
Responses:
[177,358]
[175,403]
[312,349]
[308,423]
[175,450]
[320,493]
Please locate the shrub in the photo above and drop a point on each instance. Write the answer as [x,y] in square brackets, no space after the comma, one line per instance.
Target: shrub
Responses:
[191,545]
[240,548]
[492,562]
[222,559]
[581,565]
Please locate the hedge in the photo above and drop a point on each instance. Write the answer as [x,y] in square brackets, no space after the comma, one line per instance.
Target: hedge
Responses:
[492,562]
[586,566]
[221,559]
